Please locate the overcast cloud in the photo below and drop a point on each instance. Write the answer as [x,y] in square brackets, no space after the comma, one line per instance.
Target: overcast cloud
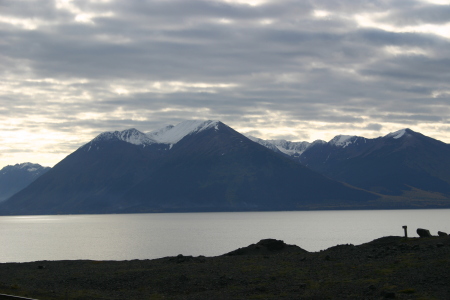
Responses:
[298,70]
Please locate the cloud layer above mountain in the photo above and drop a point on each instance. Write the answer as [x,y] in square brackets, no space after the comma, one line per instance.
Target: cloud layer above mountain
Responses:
[299,70]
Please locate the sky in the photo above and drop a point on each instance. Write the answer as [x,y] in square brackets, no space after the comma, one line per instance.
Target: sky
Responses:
[294,70]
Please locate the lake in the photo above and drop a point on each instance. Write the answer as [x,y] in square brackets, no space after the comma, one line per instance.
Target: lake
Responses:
[149,236]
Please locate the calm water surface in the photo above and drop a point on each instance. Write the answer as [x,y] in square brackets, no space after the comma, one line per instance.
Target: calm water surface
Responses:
[149,236]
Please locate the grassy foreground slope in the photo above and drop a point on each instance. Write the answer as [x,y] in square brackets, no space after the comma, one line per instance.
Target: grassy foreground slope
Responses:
[389,267]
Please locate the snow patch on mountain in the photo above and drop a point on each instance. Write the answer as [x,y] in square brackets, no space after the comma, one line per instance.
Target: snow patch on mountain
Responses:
[159,132]
[264,143]
[132,136]
[173,134]
[398,134]
[342,140]
[167,135]
[291,147]
[287,147]
[27,166]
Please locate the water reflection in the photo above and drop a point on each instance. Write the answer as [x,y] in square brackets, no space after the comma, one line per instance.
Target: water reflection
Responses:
[148,236]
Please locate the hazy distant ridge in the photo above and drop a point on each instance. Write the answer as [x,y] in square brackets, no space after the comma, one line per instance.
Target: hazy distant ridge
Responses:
[15,178]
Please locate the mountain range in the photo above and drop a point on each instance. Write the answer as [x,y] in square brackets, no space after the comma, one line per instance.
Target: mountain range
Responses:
[208,166]
[401,164]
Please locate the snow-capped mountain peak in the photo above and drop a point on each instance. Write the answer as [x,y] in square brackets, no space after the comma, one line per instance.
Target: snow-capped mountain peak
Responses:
[342,140]
[397,134]
[132,136]
[173,134]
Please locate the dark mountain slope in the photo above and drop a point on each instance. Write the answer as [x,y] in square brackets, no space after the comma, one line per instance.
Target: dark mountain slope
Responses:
[89,180]
[220,169]
[389,165]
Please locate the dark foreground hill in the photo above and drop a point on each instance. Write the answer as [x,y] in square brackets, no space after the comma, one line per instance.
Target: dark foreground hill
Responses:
[386,268]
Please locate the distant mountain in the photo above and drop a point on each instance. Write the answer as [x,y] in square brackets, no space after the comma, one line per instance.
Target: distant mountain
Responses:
[293,149]
[403,163]
[193,166]
[14,178]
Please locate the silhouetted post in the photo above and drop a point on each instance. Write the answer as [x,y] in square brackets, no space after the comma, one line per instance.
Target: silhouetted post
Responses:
[405,228]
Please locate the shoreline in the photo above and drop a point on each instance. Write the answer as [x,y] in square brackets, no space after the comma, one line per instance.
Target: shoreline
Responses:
[404,268]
